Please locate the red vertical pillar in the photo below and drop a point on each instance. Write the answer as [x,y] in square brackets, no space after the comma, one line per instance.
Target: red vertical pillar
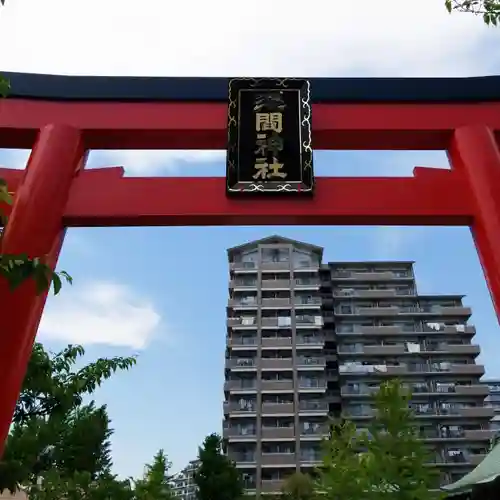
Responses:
[35,228]
[474,153]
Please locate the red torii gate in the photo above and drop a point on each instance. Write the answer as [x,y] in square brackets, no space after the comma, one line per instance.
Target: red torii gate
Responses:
[61,118]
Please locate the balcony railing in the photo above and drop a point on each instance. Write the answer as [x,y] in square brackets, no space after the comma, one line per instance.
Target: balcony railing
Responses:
[308,405]
[312,384]
[241,363]
[306,282]
[309,320]
[242,321]
[310,339]
[307,301]
[243,341]
[311,361]
[243,283]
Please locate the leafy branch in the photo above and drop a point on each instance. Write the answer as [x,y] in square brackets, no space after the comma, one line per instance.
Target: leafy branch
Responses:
[489,10]
[19,268]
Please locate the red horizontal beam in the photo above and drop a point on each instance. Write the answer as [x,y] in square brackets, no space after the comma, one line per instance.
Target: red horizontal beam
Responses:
[105,198]
[170,125]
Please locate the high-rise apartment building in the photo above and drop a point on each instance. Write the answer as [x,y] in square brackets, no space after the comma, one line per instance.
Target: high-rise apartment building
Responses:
[493,400]
[307,340]
[182,483]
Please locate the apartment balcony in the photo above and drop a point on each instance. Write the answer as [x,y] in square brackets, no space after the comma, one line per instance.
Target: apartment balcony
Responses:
[437,310]
[480,412]
[310,341]
[242,342]
[276,342]
[308,321]
[242,304]
[362,392]
[275,266]
[276,364]
[371,370]
[312,385]
[247,322]
[306,284]
[276,284]
[278,459]
[479,434]
[470,349]
[314,433]
[271,302]
[235,408]
[241,364]
[432,327]
[277,408]
[243,459]
[383,350]
[240,386]
[375,311]
[272,485]
[278,433]
[380,330]
[235,434]
[238,284]
[243,266]
[477,412]
[462,369]
[313,407]
[371,275]
[400,349]
[282,322]
[365,294]
[311,363]
[310,458]
[472,390]
[307,302]
[456,311]
[276,385]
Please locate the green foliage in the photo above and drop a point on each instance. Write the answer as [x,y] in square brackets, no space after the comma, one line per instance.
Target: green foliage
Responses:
[52,485]
[4,84]
[489,10]
[398,456]
[155,484]
[53,431]
[16,269]
[298,486]
[388,461]
[217,477]
[344,472]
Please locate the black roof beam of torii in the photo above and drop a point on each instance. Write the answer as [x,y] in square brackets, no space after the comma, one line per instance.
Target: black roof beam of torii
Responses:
[214,89]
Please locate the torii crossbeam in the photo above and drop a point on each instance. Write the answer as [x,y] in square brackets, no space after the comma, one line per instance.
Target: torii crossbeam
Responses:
[61,118]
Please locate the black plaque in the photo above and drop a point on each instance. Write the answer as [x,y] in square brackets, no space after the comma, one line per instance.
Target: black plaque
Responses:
[269,136]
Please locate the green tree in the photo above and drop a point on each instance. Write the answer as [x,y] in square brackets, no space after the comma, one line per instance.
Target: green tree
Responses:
[298,486]
[343,472]
[217,477]
[386,461]
[55,437]
[155,484]
[489,10]
[398,455]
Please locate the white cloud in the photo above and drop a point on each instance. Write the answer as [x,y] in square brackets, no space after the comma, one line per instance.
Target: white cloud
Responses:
[137,162]
[100,313]
[228,38]
[224,38]
[393,242]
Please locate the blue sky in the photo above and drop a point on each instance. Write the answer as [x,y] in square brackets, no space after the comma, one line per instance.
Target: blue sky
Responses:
[161,292]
